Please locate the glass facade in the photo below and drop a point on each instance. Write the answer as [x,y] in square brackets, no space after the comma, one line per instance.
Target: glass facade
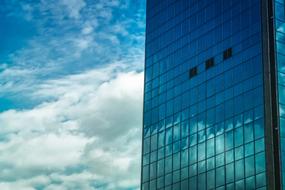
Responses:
[280,59]
[204,96]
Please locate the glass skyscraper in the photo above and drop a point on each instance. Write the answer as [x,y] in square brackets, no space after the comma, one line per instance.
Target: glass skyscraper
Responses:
[214,100]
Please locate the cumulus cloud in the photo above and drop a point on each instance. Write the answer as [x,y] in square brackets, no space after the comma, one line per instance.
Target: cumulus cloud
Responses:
[81,75]
[90,129]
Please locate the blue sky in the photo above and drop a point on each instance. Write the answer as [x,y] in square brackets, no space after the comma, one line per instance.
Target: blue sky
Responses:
[71,76]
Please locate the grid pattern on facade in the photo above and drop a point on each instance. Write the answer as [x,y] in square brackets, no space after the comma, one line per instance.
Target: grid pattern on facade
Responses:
[206,132]
[280,58]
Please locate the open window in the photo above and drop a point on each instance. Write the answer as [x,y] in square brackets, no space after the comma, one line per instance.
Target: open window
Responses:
[228,53]
[210,63]
[193,72]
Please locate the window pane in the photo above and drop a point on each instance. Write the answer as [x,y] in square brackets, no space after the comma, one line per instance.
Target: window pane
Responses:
[201,167]
[168,164]
[230,173]
[145,173]
[220,144]
[193,155]
[176,176]
[160,182]
[176,147]
[160,167]
[258,128]
[229,156]
[249,166]
[202,181]
[168,179]
[239,169]
[260,180]
[176,132]
[193,182]
[184,173]
[185,129]
[153,170]
[176,161]
[250,183]
[248,132]
[193,139]
[168,136]
[210,163]
[220,160]
[168,150]
[210,148]
[211,179]
[259,145]
[220,176]
[238,136]
[184,184]
[260,162]
[239,153]
[201,151]
[146,146]
[184,158]
[229,140]
[249,149]
[240,185]
[193,170]
[161,139]
[153,142]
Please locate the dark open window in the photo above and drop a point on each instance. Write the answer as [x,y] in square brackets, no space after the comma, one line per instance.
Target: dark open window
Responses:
[228,53]
[193,72]
[210,63]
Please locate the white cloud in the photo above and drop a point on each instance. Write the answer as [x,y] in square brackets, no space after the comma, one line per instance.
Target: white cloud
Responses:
[93,122]
[25,184]
[75,34]
[74,7]
[87,29]
[42,150]
[84,130]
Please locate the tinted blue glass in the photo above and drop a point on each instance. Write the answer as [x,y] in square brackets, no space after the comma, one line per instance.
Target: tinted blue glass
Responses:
[211,125]
[279,41]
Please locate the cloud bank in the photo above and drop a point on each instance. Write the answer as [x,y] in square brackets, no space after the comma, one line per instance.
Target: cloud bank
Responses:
[74,89]
[87,137]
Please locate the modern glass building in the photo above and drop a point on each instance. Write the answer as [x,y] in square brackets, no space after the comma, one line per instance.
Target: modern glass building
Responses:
[214,101]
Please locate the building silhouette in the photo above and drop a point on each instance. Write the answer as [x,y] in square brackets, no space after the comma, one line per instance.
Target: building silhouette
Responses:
[214,100]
